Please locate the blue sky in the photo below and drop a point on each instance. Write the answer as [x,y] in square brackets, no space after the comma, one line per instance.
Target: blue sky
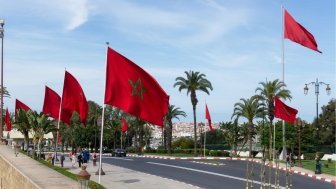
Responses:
[237,44]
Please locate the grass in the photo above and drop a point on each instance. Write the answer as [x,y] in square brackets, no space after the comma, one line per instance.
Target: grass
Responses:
[327,168]
[63,171]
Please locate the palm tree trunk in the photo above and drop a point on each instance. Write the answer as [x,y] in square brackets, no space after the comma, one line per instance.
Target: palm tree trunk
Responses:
[195,134]
[270,151]
[169,136]
[250,139]
[26,138]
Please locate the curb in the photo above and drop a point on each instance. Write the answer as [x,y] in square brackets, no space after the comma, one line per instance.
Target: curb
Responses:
[235,159]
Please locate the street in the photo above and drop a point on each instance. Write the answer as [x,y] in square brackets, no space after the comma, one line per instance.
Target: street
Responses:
[217,175]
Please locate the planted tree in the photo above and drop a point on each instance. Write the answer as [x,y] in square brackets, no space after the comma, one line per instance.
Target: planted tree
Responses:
[194,81]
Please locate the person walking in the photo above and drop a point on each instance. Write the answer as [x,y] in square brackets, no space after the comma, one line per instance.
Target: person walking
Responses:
[62,159]
[73,159]
[80,159]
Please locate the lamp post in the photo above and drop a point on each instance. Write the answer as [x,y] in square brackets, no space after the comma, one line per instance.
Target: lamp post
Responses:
[317,91]
[317,87]
[2,23]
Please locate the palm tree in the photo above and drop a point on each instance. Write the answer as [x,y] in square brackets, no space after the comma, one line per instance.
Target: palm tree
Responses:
[249,109]
[173,112]
[22,125]
[40,125]
[193,82]
[267,92]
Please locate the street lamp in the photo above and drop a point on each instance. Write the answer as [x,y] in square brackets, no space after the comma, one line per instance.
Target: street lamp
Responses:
[2,23]
[317,87]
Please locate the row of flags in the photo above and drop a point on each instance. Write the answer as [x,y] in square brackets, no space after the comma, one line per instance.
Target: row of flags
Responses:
[131,89]
[128,87]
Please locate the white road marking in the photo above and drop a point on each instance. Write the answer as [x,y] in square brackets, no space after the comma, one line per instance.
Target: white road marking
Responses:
[210,173]
[126,159]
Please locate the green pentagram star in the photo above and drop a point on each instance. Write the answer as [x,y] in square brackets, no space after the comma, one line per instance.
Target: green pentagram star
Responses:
[137,88]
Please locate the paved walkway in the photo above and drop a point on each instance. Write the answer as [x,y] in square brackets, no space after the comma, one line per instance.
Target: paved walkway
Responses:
[42,176]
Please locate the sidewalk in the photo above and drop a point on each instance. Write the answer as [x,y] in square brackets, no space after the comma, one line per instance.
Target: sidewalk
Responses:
[40,175]
[122,178]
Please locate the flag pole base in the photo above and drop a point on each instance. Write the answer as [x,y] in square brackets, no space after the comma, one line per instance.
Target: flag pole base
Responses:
[101,171]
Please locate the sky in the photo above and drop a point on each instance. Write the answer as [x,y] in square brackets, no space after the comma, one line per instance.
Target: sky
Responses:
[235,43]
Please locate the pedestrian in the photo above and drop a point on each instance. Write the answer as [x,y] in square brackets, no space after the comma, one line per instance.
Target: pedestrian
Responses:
[73,159]
[62,159]
[287,159]
[94,159]
[85,159]
[80,159]
[53,158]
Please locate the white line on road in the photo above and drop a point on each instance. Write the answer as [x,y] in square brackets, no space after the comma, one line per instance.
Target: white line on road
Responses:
[126,159]
[208,172]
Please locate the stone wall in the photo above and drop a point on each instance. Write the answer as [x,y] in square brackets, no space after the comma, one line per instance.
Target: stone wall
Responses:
[12,178]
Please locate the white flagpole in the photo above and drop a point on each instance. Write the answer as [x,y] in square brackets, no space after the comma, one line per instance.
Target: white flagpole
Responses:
[283,80]
[58,122]
[101,144]
[121,136]
[205,129]
[102,131]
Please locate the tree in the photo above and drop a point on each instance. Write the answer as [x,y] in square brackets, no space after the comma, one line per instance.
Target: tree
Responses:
[173,112]
[40,125]
[22,124]
[232,134]
[194,81]
[327,127]
[267,92]
[250,109]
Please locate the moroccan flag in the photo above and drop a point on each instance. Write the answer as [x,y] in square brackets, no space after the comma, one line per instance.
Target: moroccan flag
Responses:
[133,90]
[52,102]
[8,121]
[298,34]
[73,99]
[20,105]
[124,125]
[284,112]
[207,116]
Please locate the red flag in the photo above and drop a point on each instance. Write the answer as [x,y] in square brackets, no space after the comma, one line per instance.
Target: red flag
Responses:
[124,125]
[297,33]
[73,99]
[8,121]
[20,105]
[52,102]
[130,88]
[284,112]
[207,116]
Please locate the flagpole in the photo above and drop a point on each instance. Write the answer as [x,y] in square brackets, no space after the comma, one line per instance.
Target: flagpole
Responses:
[101,134]
[204,136]
[58,123]
[284,151]
[101,145]
[121,142]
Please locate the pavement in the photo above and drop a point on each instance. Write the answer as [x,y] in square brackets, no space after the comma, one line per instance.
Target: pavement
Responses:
[115,176]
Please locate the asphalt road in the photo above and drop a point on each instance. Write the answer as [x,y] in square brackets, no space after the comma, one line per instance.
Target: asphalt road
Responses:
[225,174]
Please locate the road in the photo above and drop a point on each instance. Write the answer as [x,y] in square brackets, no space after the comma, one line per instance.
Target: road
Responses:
[220,174]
